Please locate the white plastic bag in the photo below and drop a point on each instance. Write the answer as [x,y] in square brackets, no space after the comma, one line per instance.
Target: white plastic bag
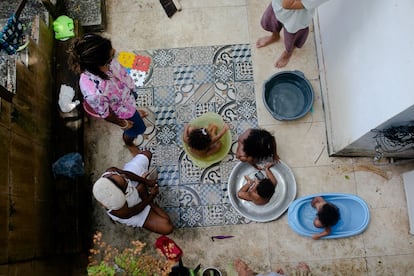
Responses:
[66,95]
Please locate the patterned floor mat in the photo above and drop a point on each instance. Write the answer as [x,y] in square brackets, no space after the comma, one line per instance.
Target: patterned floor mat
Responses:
[176,86]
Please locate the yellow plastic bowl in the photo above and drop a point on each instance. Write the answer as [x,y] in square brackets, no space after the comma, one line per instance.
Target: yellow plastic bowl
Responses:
[203,121]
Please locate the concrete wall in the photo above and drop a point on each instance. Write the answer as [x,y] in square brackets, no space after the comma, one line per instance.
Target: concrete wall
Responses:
[365,50]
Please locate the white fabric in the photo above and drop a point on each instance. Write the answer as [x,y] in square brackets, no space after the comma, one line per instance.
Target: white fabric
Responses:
[132,195]
[108,194]
[138,165]
[132,198]
[295,20]
[66,96]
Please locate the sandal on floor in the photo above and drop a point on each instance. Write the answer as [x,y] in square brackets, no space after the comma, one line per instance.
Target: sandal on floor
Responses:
[168,248]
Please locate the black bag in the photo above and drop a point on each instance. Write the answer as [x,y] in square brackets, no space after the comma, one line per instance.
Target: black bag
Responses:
[181,270]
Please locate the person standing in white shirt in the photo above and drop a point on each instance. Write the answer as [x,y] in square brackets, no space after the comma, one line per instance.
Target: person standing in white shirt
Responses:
[294,16]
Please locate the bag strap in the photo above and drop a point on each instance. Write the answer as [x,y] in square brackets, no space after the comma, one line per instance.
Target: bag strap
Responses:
[20,8]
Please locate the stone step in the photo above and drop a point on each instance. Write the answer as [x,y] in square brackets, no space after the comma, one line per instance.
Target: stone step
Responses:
[91,14]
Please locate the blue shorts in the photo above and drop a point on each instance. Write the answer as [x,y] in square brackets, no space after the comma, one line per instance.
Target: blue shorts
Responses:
[138,127]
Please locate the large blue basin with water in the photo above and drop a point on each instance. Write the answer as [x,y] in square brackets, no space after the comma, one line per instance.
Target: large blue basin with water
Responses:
[288,95]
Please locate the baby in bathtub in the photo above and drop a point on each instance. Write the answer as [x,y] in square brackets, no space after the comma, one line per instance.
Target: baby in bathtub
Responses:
[261,189]
[327,216]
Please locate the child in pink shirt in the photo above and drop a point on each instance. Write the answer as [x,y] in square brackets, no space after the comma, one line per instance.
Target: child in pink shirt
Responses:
[106,86]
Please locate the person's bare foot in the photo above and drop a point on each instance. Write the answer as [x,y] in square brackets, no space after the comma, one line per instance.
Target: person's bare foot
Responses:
[242,268]
[283,59]
[280,271]
[266,40]
[302,269]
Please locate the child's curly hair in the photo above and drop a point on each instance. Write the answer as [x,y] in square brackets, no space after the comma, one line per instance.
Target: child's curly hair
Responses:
[89,52]
[199,139]
[260,144]
[265,188]
[328,215]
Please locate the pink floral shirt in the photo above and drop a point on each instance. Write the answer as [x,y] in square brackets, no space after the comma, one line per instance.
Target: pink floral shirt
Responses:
[114,93]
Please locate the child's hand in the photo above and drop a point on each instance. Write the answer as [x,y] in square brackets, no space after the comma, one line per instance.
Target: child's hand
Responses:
[315,237]
[257,167]
[249,181]
[269,165]
[186,133]
[212,129]
[315,201]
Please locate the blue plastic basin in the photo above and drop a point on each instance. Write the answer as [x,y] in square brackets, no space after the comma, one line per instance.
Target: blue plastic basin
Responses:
[288,95]
[354,215]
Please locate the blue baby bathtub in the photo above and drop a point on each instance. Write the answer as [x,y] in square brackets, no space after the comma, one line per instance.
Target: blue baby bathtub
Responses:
[354,215]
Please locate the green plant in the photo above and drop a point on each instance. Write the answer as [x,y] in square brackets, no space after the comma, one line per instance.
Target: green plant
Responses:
[103,269]
[105,260]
